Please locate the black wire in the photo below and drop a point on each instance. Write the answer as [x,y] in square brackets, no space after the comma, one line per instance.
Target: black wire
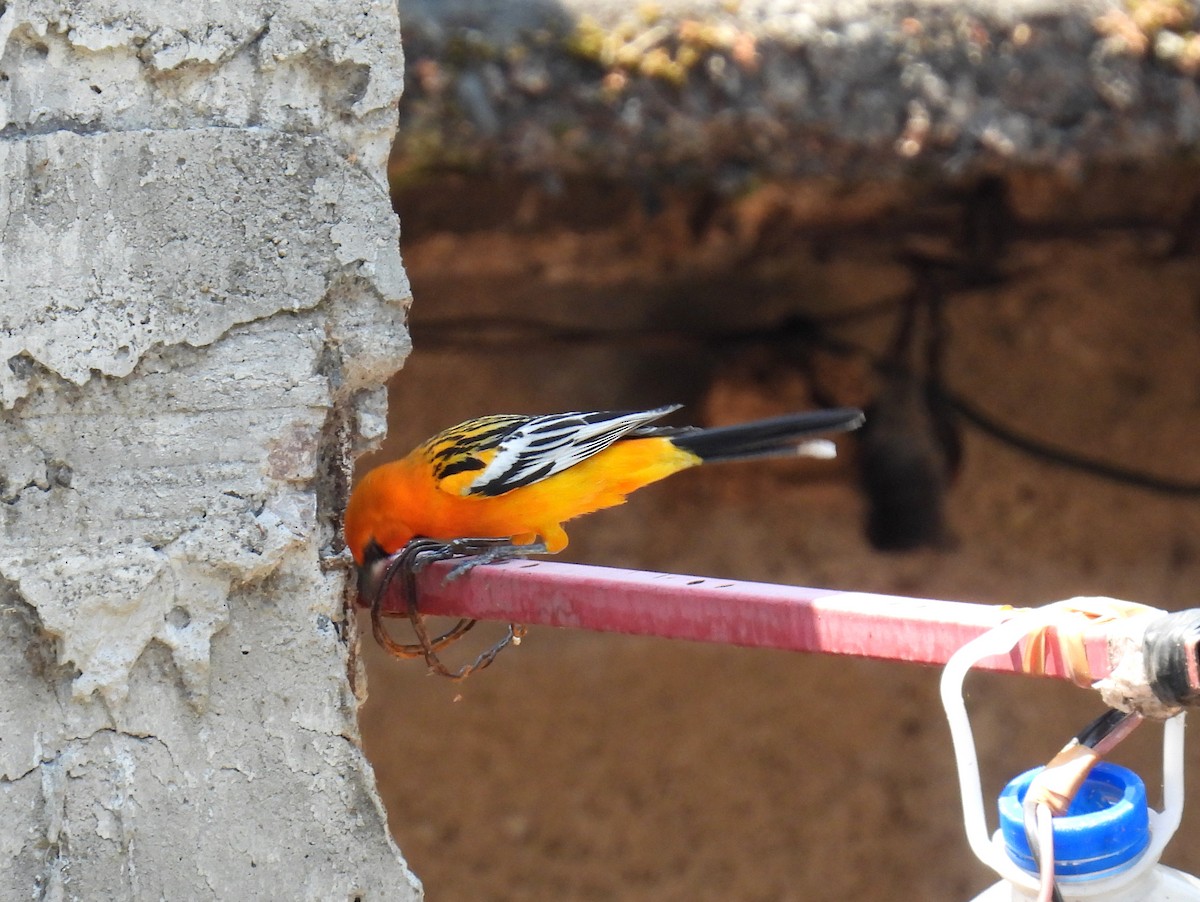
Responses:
[1091,736]
[1063,457]
[1094,732]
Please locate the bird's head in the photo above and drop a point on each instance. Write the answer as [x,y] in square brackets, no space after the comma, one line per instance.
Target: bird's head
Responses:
[373,532]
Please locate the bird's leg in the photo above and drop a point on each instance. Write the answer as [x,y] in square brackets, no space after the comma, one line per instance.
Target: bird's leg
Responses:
[474,553]
[416,556]
[410,560]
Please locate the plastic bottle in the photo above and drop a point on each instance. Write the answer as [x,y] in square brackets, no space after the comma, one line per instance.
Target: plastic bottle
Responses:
[1138,877]
[1101,845]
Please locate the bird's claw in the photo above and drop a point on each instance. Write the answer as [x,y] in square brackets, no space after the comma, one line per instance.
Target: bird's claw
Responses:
[493,554]
[415,557]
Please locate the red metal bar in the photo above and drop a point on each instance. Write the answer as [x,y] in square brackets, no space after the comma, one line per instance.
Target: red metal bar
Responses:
[703,609]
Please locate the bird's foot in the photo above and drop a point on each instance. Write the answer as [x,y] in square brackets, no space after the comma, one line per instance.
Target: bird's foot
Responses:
[480,552]
[415,557]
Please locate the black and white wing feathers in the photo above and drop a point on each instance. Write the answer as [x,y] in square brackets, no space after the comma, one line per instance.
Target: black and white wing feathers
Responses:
[545,445]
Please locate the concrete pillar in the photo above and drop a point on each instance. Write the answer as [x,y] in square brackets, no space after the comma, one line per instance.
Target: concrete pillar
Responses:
[200,290]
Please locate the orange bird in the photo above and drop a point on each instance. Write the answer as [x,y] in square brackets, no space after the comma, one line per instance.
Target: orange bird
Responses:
[519,478]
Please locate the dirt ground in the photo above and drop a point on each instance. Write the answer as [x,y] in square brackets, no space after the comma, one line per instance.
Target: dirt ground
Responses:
[586,766]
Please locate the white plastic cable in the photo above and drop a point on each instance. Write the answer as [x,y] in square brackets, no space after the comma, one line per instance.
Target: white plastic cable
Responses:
[1044,833]
[1163,824]
[998,641]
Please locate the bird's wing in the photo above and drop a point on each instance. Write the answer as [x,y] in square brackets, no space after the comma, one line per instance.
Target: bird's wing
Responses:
[458,454]
[539,447]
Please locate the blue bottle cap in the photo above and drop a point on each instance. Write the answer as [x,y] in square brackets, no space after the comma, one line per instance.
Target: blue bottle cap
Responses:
[1103,833]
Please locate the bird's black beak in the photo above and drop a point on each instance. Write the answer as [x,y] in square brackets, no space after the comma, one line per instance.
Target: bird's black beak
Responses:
[371,572]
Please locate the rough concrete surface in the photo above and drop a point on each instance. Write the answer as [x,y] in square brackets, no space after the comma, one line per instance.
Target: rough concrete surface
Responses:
[729,92]
[200,292]
[327,68]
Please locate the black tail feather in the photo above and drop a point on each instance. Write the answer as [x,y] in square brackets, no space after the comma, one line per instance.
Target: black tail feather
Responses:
[776,437]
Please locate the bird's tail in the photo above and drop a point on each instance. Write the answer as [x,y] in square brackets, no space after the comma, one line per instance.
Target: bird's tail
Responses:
[786,436]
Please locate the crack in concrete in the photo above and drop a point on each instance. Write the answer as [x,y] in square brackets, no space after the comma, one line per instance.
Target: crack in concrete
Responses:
[70,742]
